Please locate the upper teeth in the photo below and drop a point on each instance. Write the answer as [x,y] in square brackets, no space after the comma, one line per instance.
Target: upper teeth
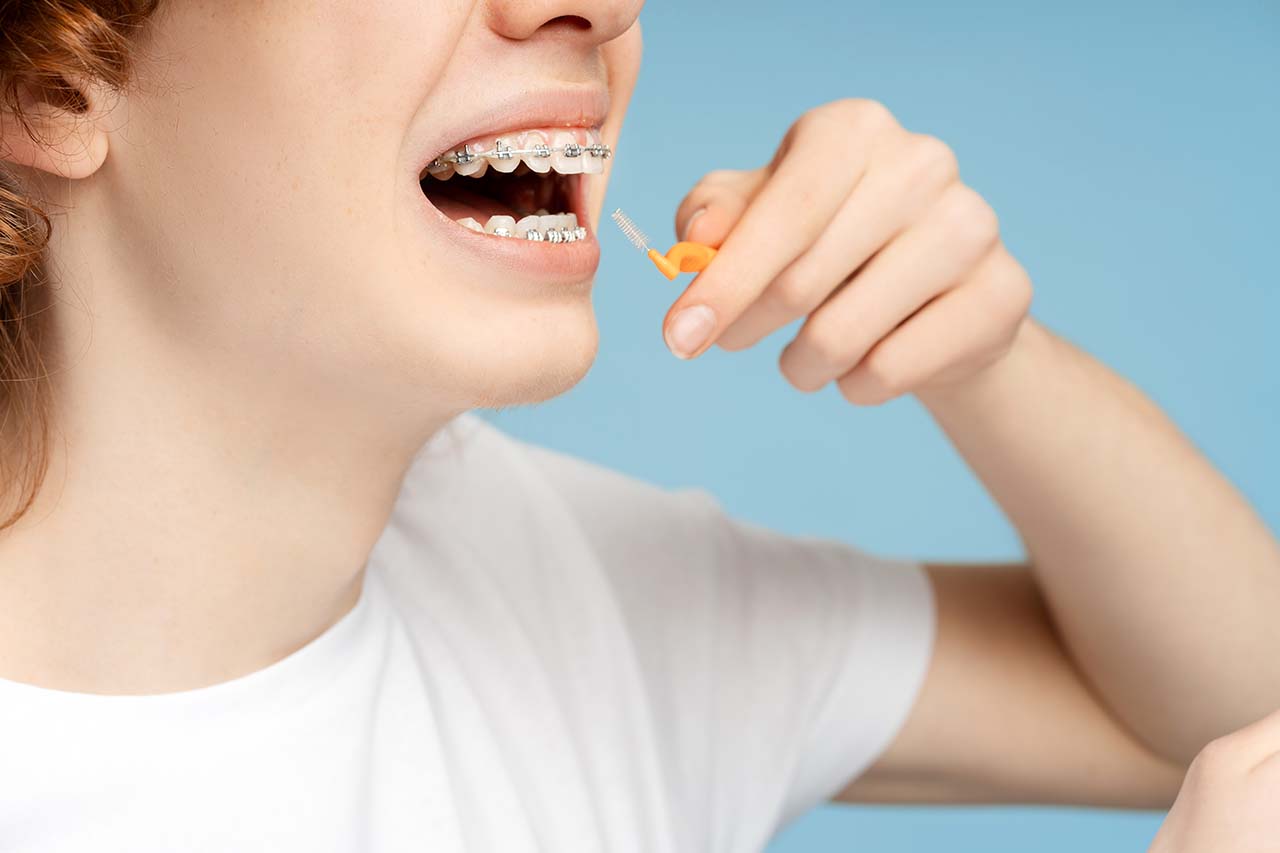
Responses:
[465,155]
[564,154]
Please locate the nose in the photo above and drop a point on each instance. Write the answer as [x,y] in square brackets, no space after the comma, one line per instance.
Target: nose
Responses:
[587,22]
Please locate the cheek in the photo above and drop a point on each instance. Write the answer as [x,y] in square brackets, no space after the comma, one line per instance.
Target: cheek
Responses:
[269,180]
[259,164]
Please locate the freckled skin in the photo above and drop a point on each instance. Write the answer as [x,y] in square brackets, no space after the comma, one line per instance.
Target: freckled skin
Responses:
[265,319]
[262,370]
[274,119]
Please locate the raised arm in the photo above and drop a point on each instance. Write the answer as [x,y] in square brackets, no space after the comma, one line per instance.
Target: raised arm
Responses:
[1144,627]
[1145,623]
[1163,582]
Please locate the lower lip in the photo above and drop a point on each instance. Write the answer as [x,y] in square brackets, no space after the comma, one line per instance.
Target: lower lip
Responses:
[559,264]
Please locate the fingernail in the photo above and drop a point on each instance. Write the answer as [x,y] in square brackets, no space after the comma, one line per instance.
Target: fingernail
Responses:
[689,330]
[688,226]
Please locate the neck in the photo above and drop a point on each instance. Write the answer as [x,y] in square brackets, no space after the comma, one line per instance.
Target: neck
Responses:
[201,518]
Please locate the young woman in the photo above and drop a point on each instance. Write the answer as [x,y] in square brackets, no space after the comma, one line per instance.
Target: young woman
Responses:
[267,584]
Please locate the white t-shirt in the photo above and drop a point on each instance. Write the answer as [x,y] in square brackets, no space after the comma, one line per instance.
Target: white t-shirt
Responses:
[546,655]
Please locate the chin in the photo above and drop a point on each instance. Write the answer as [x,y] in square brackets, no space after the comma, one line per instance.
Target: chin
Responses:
[544,362]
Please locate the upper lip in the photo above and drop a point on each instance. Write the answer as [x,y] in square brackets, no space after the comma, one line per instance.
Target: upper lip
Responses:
[547,107]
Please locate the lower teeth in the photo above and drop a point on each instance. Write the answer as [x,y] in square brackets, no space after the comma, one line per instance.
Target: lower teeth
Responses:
[561,228]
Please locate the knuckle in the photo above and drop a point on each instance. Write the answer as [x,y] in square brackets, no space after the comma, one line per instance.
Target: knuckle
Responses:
[1007,290]
[819,126]
[844,115]
[969,218]
[869,113]
[845,110]
[1218,757]
[1017,291]
[809,122]
[932,160]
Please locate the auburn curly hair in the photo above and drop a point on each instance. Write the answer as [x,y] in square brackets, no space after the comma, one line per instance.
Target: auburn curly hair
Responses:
[43,45]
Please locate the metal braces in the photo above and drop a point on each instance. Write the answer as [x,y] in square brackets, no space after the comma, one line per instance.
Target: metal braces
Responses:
[550,235]
[465,155]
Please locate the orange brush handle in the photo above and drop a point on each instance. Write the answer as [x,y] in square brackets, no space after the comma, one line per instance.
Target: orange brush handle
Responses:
[682,257]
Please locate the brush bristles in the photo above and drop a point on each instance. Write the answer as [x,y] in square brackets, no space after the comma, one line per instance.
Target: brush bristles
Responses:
[634,234]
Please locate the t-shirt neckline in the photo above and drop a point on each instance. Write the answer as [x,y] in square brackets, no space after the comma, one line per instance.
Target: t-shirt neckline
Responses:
[286,681]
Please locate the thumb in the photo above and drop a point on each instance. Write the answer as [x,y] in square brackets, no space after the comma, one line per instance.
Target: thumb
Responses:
[715,204]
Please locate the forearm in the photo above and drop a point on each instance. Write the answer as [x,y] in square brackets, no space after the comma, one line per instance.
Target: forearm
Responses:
[1163,582]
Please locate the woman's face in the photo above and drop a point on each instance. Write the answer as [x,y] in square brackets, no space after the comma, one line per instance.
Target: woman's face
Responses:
[262,198]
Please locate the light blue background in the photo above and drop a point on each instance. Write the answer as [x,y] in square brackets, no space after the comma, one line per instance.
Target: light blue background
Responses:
[1131,151]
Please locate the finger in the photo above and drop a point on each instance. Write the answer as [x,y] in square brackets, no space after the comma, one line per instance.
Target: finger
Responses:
[928,258]
[966,327]
[780,223]
[898,188]
[711,208]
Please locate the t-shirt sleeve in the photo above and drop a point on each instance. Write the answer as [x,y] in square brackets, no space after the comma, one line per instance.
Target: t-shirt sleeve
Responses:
[778,667]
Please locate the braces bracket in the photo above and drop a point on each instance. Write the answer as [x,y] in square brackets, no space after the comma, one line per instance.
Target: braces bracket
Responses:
[465,155]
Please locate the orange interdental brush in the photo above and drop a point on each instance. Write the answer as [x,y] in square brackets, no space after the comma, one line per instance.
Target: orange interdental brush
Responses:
[682,257]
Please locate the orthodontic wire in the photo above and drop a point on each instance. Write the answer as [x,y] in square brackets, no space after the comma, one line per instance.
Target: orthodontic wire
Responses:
[465,155]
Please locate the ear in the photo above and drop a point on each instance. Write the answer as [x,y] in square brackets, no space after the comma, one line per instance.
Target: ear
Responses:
[54,139]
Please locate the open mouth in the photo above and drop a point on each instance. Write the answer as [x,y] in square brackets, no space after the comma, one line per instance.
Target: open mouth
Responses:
[525,185]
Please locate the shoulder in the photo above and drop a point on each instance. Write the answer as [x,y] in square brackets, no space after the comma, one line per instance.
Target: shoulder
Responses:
[483,536]
[475,484]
